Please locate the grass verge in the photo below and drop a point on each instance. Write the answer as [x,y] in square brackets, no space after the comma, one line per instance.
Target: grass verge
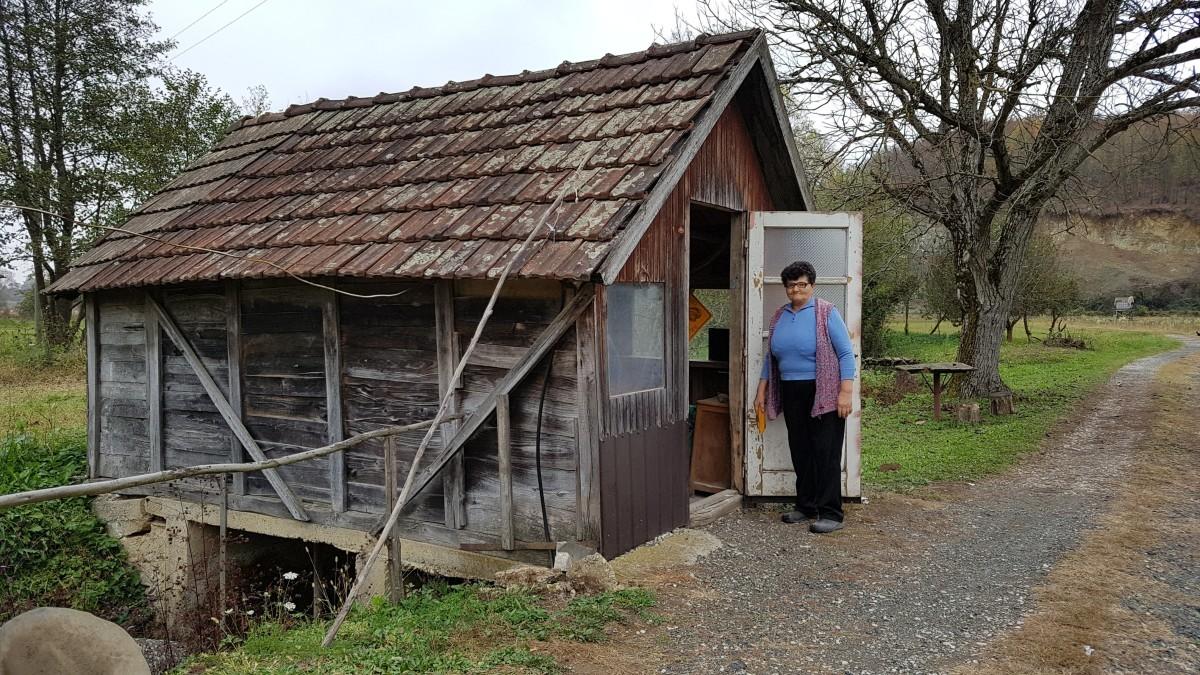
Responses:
[437,629]
[903,448]
[54,553]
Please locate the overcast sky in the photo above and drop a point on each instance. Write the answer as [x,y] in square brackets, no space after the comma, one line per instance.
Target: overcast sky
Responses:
[301,50]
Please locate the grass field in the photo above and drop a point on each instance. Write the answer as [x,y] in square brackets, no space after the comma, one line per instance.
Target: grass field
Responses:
[1047,381]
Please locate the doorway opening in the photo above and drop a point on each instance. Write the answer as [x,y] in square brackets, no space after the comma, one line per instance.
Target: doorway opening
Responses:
[715,372]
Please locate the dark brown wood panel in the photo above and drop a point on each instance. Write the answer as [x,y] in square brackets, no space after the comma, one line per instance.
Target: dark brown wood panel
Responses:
[644,486]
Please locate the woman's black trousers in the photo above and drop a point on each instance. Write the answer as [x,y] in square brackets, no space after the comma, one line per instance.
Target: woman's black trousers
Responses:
[816,445]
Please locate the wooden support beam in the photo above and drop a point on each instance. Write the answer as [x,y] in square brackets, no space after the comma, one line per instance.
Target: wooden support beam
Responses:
[504,445]
[154,391]
[92,337]
[454,478]
[395,570]
[231,418]
[335,430]
[233,357]
[587,435]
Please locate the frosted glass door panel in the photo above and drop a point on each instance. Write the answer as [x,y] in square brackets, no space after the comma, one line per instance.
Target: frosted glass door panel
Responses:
[825,249]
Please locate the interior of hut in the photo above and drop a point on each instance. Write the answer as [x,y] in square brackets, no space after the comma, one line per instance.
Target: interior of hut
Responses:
[709,364]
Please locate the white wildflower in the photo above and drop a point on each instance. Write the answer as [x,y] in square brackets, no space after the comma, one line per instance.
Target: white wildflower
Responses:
[291,576]
[249,612]
[229,611]
[289,606]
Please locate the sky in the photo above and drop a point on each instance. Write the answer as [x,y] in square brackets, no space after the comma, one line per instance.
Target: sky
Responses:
[301,50]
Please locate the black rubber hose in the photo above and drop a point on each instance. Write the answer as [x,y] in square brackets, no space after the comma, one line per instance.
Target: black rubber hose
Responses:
[537,445]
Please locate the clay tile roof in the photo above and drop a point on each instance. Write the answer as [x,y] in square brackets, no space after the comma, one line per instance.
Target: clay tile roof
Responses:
[439,181]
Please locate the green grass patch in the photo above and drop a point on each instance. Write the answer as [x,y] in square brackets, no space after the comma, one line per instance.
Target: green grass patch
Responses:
[437,629]
[57,553]
[1046,381]
[54,553]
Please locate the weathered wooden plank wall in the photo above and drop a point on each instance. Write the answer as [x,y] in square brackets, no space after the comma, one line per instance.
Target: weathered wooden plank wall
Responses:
[193,431]
[277,335]
[524,310]
[122,410]
[389,377]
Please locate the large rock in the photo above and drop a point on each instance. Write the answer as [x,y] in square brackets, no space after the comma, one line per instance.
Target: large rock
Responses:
[591,574]
[529,577]
[53,640]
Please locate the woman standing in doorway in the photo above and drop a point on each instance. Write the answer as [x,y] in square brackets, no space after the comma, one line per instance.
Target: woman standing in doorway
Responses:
[808,375]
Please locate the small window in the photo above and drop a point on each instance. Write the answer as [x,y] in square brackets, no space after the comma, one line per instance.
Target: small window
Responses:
[635,337]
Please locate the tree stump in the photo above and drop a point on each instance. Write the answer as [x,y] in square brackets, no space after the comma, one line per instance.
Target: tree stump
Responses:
[967,413]
[906,383]
[1002,404]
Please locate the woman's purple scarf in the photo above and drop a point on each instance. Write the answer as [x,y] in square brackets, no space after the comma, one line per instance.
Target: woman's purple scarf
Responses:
[827,366]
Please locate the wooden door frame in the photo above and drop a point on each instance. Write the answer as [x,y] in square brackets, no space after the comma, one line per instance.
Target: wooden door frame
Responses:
[757,223]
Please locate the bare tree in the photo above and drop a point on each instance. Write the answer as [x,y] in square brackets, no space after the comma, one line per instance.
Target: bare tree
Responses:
[974,114]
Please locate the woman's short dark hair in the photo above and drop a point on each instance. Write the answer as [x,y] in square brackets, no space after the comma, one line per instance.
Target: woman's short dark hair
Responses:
[797,270]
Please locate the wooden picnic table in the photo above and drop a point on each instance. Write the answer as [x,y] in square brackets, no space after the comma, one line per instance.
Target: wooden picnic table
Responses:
[937,369]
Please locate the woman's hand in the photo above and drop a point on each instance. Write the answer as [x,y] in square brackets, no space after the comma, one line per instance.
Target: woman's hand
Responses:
[760,399]
[846,398]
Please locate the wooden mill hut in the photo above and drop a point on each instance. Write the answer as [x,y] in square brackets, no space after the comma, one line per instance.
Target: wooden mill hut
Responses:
[205,346]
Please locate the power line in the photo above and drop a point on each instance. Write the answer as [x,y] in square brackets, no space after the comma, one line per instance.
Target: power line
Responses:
[201,18]
[206,37]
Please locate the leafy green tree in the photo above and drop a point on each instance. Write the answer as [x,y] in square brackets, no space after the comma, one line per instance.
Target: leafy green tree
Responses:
[83,132]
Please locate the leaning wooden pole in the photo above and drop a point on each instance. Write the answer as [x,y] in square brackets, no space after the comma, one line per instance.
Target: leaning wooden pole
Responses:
[105,486]
[394,516]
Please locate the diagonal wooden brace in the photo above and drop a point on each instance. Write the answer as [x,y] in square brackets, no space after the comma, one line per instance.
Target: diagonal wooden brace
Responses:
[540,347]
[232,419]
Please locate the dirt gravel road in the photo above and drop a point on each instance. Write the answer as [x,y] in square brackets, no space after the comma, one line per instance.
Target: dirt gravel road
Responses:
[1083,558]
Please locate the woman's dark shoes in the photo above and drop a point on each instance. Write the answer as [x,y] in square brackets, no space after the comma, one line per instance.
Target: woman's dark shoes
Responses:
[825,526]
[793,517]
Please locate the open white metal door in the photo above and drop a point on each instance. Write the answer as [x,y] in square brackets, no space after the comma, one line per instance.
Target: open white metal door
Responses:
[832,242]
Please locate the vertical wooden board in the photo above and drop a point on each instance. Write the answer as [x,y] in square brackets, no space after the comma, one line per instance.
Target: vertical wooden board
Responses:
[640,489]
[154,390]
[504,445]
[740,373]
[589,522]
[92,317]
[335,430]
[233,358]
[453,479]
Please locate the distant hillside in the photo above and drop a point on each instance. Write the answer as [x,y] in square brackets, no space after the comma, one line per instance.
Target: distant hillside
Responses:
[1130,224]
[1129,253]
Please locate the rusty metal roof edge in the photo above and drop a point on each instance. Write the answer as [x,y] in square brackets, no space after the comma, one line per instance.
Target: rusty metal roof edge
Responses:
[654,51]
[722,96]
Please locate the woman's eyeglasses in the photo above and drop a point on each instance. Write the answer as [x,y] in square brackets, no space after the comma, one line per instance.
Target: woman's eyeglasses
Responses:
[798,286]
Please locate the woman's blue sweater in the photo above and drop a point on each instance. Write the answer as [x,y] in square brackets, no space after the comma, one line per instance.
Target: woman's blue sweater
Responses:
[794,344]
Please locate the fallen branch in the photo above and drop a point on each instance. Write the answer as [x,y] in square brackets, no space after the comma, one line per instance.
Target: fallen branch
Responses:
[103,487]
